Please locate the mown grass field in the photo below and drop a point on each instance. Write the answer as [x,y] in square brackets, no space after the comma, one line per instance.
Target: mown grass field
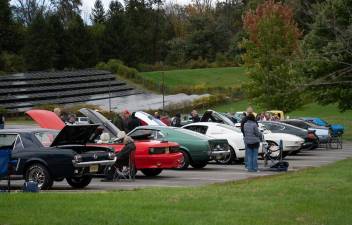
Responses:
[209,77]
[314,196]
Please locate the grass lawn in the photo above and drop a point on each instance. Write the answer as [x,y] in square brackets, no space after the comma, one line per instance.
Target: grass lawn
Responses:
[329,112]
[314,196]
[209,77]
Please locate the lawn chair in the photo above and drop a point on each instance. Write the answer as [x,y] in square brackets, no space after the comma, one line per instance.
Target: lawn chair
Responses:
[124,167]
[5,165]
[335,141]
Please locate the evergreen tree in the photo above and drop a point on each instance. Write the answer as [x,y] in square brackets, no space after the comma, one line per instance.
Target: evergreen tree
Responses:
[98,13]
[39,51]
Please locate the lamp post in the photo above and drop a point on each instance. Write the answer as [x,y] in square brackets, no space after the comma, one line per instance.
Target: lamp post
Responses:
[163,74]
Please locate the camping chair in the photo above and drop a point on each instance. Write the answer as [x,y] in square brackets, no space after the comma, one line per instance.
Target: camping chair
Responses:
[124,167]
[335,141]
[5,165]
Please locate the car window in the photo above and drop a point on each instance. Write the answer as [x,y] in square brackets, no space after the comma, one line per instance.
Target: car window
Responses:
[46,138]
[143,134]
[198,128]
[7,141]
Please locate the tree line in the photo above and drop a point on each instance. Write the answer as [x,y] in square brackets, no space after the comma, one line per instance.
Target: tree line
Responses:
[291,47]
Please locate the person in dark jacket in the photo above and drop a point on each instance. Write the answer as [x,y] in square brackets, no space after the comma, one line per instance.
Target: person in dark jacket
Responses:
[176,122]
[133,122]
[195,117]
[252,138]
[2,121]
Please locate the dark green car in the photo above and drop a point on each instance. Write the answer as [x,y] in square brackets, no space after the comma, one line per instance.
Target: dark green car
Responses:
[197,148]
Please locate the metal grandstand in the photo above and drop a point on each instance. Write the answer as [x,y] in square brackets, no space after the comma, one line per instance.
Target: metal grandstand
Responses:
[25,90]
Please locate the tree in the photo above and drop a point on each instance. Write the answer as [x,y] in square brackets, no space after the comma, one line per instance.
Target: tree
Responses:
[67,9]
[271,50]
[26,10]
[98,13]
[328,54]
[39,51]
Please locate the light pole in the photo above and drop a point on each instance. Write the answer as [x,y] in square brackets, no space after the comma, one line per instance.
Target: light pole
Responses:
[109,97]
[163,74]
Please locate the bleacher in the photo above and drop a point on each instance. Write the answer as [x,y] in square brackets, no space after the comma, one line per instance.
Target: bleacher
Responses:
[25,90]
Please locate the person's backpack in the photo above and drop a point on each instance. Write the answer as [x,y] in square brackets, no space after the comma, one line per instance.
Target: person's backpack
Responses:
[279,166]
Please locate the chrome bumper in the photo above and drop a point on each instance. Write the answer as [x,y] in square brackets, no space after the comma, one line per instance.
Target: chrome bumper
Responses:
[91,163]
[219,153]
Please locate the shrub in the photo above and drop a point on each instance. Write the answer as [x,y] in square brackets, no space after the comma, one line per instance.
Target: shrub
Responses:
[12,62]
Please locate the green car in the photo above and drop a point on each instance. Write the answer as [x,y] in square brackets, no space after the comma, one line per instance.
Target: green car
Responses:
[197,148]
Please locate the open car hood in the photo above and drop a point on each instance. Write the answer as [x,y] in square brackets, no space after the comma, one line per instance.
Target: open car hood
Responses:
[75,135]
[213,116]
[46,119]
[98,118]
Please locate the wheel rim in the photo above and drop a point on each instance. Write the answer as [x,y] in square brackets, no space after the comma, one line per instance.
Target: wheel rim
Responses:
[37,175]
[182,161]
[226,159]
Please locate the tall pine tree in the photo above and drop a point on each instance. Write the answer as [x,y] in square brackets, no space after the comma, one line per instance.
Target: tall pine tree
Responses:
[98,13]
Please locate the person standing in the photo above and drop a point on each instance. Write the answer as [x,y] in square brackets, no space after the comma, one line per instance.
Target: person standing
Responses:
[176,122]
[133,122]
[195,117]
[252,137]
[2,121]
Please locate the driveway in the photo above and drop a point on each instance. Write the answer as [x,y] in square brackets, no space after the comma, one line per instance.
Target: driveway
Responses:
[210,174]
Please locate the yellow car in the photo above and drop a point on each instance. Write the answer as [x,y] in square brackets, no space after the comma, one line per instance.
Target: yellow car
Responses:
[279,113]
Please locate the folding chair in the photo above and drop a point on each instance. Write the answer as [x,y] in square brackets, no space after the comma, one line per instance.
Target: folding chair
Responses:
[124,167]
[5,160]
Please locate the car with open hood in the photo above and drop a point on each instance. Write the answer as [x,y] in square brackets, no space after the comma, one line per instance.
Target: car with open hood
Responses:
[197,149]
[151,156]
[46,155]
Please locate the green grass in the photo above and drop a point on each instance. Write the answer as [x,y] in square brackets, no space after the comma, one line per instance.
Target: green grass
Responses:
[314,196]
[209,77]
[329,112]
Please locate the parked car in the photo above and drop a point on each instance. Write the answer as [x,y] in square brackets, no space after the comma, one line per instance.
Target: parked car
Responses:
[217,130]
[280,114]
[197,149]
[311,141]
[323,133]
[45,155]
[82,120]
[336,129]
[151,156]
[147,119]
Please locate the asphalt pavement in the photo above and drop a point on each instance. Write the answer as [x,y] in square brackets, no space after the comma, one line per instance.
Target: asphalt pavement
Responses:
[211,174]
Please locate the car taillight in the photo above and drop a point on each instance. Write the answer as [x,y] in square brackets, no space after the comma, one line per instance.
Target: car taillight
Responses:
[159,150]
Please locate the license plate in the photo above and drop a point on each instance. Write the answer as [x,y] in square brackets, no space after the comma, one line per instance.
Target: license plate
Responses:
[93,168]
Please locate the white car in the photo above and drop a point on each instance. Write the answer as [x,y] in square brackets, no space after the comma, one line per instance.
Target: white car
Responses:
[148,119]
[82,120]
[223,131]
[235,138]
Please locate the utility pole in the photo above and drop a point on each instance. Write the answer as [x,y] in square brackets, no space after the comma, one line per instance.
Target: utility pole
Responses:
[109,96]
[163,74]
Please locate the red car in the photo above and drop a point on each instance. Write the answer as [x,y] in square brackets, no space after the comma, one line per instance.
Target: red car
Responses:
[151,156]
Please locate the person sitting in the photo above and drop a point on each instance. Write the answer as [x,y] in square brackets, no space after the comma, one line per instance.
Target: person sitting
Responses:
[104,138]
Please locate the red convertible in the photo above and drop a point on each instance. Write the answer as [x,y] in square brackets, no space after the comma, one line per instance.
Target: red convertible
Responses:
[151,156]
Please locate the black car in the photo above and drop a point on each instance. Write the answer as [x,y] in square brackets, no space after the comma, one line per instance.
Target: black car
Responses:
[45,155]
[311,141]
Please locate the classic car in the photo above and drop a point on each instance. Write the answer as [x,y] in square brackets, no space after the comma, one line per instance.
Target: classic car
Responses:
[323,133]
[336,129]
[45,155]
[218,130]
[151,156]
[196,148]
[311,141]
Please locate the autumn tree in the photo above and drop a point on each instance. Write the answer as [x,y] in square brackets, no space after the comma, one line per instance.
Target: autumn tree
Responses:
[271,49]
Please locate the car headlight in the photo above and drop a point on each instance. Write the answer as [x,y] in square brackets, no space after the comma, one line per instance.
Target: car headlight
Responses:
[77,158]
[111,155]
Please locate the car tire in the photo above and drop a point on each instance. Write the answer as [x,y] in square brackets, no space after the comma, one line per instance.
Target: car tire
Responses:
[199,164]
[39,173]
[186,160]
[229,159]
[151,172]
[79,182]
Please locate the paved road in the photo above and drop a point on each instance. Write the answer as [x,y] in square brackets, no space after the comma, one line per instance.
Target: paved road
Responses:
[211,174]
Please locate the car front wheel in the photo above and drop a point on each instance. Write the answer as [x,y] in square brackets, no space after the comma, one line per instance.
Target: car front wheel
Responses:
[151,172]
[40,174]
[185,162]
[79,182]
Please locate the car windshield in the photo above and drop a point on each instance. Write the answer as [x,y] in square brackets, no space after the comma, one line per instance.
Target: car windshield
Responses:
[229,127]
[46,138]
